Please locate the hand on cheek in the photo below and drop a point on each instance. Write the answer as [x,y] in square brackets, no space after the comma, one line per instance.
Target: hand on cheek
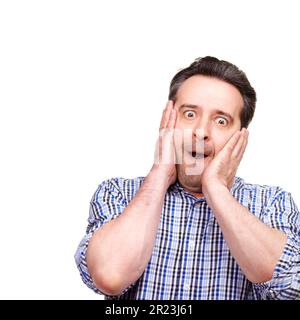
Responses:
[164,158]
[222,169]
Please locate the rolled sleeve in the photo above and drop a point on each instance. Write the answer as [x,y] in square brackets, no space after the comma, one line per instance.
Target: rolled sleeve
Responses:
[107,203]
[283,215]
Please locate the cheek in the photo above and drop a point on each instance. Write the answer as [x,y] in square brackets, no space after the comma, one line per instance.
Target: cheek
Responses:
[220,141]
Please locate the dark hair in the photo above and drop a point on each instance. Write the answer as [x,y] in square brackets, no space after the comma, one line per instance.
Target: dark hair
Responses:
[223,70]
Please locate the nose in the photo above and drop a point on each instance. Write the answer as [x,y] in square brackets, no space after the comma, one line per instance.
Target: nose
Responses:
[201,130]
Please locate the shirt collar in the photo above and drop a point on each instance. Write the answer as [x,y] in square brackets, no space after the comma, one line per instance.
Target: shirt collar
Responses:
[177,187]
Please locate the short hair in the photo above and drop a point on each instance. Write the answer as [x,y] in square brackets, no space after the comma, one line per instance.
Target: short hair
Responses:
[223,70]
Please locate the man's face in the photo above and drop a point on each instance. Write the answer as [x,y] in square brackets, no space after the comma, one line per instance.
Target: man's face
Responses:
[209,110]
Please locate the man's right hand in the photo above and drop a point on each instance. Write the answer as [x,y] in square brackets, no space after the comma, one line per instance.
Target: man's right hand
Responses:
[136,228]
[164,164]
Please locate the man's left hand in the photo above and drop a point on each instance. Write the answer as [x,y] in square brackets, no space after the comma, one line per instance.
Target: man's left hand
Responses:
[222,169]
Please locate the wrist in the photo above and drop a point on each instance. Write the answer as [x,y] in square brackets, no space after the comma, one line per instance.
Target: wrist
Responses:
[214,187]
[159,177]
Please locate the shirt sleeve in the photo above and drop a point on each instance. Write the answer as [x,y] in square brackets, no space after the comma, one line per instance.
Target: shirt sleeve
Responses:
[282,213]
[107,203]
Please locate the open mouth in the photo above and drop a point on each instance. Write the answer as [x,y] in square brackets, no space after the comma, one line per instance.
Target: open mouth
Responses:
[198,155]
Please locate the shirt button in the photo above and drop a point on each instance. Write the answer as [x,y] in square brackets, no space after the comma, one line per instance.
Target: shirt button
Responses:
[186,286]
[192,244]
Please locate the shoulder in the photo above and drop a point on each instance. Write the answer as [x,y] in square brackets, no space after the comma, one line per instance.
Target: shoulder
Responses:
[269,191]
[111,197]
[261,198]
[118,187]
[122,183]
[273,205]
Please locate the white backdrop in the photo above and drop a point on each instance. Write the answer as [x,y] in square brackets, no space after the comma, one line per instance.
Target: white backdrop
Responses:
[82,87]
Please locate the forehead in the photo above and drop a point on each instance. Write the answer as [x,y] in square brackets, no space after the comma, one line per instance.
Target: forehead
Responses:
[210,94]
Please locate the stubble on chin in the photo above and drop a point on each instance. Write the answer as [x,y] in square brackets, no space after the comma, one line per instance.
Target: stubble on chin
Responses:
[191,183]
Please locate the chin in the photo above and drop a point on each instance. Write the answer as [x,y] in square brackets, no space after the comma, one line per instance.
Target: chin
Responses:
[191,182]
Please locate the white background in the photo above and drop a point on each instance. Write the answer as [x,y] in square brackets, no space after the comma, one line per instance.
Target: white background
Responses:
[82,87]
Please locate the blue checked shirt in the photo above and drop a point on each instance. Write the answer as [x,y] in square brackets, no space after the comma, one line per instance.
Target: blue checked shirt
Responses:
[190,258]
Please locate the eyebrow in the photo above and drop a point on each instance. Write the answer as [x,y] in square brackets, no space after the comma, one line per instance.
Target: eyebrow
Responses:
[194,106]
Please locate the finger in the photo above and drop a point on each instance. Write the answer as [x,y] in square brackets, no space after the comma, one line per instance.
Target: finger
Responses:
[238,147]
[168,110]
[229,146]
[245,143]
[160,150]
[162,120]
[172,119]
[157,151]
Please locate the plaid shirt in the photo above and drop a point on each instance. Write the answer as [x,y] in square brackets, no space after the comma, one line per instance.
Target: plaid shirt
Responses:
[190,258]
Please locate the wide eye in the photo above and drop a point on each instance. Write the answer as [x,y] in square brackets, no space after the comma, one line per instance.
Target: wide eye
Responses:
[222,121]
[189,114]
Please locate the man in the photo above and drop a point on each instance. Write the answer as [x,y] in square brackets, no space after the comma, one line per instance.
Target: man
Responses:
[191,229]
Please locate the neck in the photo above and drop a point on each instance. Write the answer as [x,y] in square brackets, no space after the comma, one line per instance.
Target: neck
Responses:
[196,192]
